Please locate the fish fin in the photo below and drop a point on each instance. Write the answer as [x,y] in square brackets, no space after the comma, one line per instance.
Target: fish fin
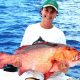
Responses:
[54,68]
[21,70]
[47,75]
[4,59]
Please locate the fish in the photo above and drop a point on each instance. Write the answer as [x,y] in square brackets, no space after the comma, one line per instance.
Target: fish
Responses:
[41,57]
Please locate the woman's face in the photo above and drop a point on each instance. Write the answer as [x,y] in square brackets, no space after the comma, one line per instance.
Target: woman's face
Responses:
[48,13]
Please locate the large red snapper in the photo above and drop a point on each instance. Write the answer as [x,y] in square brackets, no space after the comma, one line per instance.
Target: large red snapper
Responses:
[40,57]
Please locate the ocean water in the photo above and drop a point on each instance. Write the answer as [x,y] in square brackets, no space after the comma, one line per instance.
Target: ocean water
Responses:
[16,15]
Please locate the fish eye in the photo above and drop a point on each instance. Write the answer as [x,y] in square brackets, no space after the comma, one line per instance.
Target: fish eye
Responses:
[69,48]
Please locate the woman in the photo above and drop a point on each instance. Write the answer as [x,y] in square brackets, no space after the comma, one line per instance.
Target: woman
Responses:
[46,30]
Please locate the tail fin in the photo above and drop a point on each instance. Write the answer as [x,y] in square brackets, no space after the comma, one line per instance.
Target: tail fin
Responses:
[4,57]
[9,59]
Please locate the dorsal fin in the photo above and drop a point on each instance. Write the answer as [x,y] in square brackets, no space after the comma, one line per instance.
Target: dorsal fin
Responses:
[40,40]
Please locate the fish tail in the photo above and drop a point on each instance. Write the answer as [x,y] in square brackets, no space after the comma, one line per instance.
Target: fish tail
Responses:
[4,59]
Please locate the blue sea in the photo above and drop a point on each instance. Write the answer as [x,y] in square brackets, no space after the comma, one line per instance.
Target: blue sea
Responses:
[16,15]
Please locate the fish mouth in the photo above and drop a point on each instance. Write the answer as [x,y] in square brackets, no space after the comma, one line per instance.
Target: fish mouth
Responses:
[77,57]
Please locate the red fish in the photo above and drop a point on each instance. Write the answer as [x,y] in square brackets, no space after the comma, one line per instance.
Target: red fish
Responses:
[40,57]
